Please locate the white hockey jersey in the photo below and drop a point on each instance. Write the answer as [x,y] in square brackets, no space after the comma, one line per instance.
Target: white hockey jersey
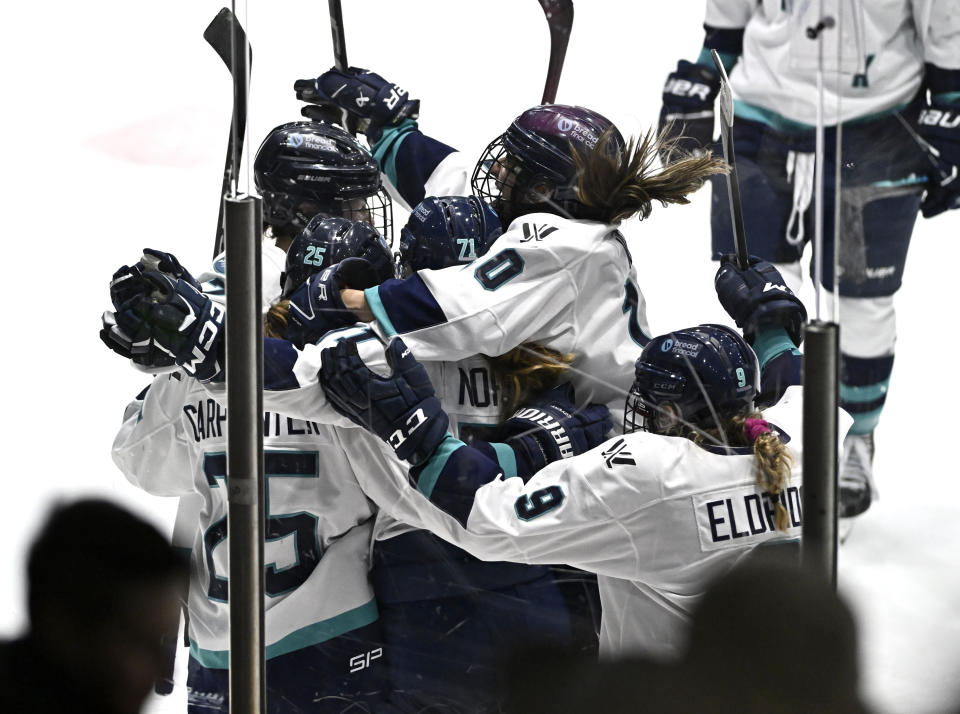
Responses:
[318,519]
[655,517]
[874,55]
[566,284]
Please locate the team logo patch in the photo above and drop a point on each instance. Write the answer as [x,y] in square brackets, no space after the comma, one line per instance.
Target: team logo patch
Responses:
[618,454]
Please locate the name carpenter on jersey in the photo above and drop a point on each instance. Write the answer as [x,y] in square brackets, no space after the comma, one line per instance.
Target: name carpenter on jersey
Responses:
[209,421]
[739,516]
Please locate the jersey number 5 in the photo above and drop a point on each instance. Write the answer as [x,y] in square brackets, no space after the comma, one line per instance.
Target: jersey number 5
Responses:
[300,527]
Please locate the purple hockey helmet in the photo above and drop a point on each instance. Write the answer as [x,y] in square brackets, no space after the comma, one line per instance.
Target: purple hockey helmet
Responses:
[531,167]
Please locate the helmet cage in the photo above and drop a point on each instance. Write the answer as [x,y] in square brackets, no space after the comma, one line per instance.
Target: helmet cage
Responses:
[295,210]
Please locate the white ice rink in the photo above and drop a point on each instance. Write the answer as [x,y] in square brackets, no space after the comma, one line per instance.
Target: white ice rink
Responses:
[114,132]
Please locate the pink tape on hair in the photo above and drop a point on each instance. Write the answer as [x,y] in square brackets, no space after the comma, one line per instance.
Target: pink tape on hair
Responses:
[755,427]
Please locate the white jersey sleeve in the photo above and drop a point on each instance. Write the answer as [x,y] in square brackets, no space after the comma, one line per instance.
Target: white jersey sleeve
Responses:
[150,448]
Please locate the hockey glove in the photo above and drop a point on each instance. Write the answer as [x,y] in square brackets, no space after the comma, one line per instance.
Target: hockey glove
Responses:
[688,98]
[128,280]
[553,428]
[939,125]
[366,100]
[401,409]
[145,356]
[316,307]
[758,295]
[179,320]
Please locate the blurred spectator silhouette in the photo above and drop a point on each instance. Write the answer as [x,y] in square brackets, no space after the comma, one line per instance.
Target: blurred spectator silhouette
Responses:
[767,637]
[103,589]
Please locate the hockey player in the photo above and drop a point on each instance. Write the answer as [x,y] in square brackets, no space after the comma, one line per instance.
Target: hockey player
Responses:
[899,89]
[323,638]
[302,169]
[561,178]
[656,513]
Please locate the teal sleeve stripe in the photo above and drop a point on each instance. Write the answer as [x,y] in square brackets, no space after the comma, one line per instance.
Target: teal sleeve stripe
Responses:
[947,97]
[869,393]
[379,313]
[385,149]
[300,639]
[506,458]
[706,59]
[431,470]
[771,341]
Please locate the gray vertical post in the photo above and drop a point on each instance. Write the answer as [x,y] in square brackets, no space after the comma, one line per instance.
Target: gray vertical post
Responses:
[820,395]
[245,517]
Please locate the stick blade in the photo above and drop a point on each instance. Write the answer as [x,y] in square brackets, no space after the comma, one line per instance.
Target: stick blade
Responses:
[218,32]
[726,96]
[559,14]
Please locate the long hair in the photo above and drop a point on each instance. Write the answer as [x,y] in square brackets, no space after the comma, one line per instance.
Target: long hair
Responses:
[275,321]
[617,188]
[772,461]
[525,370]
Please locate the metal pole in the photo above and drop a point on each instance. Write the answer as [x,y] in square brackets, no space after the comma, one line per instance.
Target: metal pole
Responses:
[820,394]
[245,516]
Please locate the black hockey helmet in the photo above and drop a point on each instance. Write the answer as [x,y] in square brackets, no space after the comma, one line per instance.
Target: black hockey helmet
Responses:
[306,168]
[531,167]
[327,241]
[444,231]
[702,372]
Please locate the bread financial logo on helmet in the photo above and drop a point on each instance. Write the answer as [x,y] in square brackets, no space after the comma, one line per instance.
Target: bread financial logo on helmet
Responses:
[564,124]
[295,140]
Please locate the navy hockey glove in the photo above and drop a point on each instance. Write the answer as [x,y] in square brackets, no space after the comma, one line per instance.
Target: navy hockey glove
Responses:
[401,409]
[688,98]
[179,320]
[553,428]
[939,125]
[144,354]
[758,295]
[316,307]
[366,100]
[128,280]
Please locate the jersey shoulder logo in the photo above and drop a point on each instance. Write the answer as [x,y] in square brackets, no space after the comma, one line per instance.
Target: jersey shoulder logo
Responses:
[532,231]
[618,454]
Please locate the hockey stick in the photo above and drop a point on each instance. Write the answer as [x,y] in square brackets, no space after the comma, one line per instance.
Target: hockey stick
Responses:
[560,21]
[733,184]
[339,41]
[227,37]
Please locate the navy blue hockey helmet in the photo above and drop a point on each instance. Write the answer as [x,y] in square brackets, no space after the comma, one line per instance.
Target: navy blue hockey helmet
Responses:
[329,240]
[307,168]
[703,372]
[531,166]
[444,231]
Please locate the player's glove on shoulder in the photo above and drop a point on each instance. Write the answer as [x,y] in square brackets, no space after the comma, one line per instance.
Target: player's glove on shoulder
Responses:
[368,101]
[178,320]
[401,409]
[688,98]
[316,307]
[757,296]
[552,427]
